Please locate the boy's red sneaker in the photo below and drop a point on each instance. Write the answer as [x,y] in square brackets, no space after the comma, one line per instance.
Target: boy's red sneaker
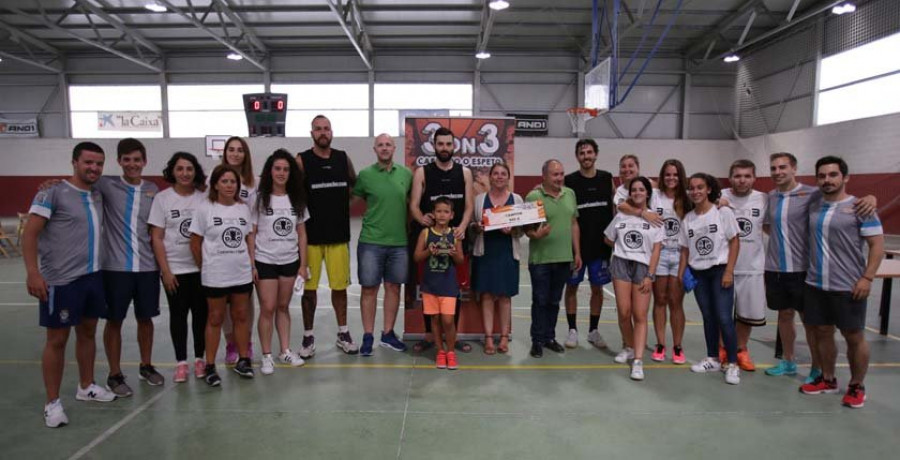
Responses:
[441,360]
[451,361]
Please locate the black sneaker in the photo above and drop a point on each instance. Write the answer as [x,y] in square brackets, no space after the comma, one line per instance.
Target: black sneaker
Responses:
[116,384]
[537,350]
[212,377]
[553,345]
[148,374]
[244,368]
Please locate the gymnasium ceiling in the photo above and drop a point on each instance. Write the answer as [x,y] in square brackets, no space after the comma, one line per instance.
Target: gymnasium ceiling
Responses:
[41,30]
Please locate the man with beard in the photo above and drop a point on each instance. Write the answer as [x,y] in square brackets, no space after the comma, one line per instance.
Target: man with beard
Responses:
[64,228]
[593,193]
[328,176]
[446,178]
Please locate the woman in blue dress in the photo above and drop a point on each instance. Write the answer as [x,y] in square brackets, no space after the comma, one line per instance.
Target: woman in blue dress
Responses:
[496,260]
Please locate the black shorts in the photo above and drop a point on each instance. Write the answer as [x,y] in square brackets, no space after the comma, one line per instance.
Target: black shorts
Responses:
[124,288]
[785,290]
[271,272]
[834,308]
[217,292]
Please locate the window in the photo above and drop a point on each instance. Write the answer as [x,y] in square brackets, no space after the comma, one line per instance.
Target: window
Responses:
[390,99]
[859,83]
[345,105]
[86,101]
[201,110]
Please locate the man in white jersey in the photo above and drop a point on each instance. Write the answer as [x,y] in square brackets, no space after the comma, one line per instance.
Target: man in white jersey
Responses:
[787,255]
[749,208]
[64,228]
[840,279]
[130,273]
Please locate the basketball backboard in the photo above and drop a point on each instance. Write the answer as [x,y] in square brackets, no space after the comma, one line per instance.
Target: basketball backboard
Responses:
[596,87]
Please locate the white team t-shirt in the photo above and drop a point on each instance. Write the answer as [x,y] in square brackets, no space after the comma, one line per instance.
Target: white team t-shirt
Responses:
[665,207]
[276,231]
[226,261]
[750,211]
[173,213]
[634,238]
[706,236]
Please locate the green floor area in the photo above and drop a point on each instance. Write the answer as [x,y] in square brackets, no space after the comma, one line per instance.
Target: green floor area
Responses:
[395,405]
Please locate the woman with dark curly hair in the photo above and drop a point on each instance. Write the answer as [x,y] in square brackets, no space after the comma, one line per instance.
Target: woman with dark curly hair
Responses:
[170,218]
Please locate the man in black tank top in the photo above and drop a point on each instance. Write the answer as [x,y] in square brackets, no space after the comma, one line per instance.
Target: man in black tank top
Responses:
[443,177]
[329,176]
[594,194]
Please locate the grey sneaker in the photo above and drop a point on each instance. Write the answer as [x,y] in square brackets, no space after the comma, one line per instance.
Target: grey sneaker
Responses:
[148,374]
[595,339]
[116,384]
[572,339]
[345,343]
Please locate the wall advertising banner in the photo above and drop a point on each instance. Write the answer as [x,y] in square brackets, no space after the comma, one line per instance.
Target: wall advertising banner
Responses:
[19,128]
[130,121]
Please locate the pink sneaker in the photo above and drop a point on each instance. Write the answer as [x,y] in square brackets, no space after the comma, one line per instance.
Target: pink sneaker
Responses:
[181,373]
[231,354]
[678,356]
[199,368]
[659,353]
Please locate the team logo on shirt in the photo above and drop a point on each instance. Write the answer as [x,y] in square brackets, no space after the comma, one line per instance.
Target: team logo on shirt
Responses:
[244,193]
[282,226]
[232,237]
[746,226]
[64,316]
[704,246]
[633,239]
[673,226]
[185,228]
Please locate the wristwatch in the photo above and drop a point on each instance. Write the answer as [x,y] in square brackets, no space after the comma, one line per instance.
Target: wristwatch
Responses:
[652,277]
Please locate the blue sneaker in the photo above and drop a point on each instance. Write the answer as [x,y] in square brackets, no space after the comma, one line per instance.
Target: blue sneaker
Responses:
[366,348]
[814,373]
[783,368]
[390,340]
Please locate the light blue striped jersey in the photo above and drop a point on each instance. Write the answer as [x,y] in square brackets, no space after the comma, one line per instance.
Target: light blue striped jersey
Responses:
[787,218]
[837,245]
[69,245]
[126,237]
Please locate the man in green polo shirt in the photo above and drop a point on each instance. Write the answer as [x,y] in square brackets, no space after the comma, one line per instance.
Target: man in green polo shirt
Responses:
[553,254]
[381,253]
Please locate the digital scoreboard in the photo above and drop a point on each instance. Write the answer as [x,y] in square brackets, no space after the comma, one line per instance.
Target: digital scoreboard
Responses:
[266,114]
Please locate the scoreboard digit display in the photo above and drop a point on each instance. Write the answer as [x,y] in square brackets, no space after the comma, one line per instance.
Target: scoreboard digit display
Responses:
[266,114]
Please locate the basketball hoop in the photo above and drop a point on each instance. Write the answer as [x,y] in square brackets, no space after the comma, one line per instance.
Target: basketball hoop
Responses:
[579,116]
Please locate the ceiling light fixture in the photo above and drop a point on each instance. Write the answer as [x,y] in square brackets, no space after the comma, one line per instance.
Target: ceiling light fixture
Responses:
[155,7]
[732,58]
[234,57]
[843,8]
[498,5]
[482,55]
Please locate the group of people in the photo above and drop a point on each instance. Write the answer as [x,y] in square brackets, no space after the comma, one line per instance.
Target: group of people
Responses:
[96,244]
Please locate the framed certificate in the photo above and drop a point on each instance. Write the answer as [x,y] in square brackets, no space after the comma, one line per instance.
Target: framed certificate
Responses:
[513,215]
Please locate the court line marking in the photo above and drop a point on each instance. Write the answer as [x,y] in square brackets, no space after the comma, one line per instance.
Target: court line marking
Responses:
[112,430]
[406,410]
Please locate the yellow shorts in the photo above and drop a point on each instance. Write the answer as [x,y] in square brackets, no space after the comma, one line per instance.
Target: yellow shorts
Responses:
[437,305]
[337,265]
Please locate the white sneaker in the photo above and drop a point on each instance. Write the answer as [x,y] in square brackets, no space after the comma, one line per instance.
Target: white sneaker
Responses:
[308,347]
[637,370]
[624,355]
[707,365]
[572,340]
[345,343]
[595,339]
[267,367]
[732,374]
[290,358]
[94,392]
[54,415]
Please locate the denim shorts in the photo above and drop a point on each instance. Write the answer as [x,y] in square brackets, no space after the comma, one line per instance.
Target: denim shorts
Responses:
[377,263]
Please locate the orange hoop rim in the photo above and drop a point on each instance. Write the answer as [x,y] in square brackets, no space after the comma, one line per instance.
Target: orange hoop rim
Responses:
[582,111]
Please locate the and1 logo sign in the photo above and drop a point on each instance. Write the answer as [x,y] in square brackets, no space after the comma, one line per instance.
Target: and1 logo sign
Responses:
[746,226]
[673,226]
[633,239]
[185,228]
[232,237]
[704,246]
[282,226]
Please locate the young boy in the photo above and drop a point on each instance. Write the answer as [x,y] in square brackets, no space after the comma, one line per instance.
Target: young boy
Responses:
[441,251]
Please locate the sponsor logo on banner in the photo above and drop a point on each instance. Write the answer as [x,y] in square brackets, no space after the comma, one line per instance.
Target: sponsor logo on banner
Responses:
[478,144]
[530,125]
[19,128]
[129,121]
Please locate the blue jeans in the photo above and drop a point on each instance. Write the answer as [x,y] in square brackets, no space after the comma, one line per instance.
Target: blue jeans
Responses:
[547,283]
[717,306]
